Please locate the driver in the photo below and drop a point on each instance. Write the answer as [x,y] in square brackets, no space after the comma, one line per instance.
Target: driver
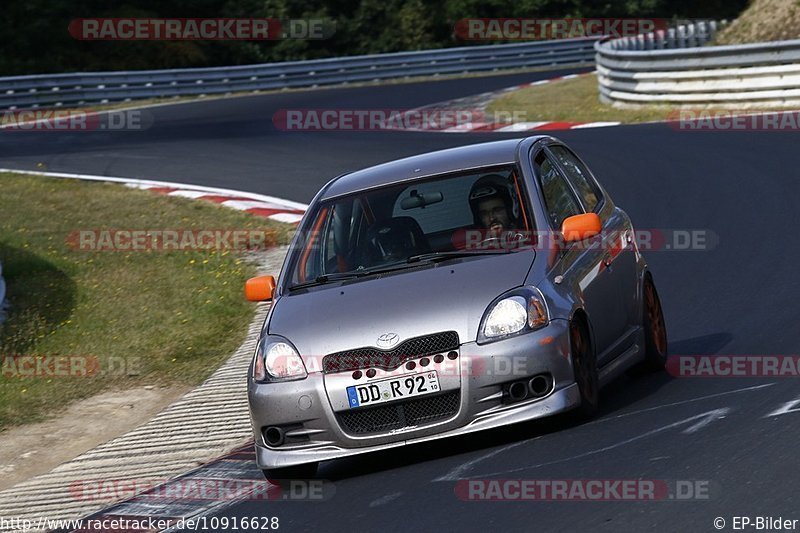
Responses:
[493,207]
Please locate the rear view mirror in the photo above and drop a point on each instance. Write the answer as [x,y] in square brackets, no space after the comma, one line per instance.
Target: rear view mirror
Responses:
[420,200]
[579,227]
[260,289]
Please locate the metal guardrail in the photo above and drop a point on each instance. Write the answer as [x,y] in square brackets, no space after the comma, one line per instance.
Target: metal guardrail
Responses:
[674,68]
[49,90]
[682,36]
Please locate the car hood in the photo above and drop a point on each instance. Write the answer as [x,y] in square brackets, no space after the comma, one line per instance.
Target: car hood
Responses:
[449,296]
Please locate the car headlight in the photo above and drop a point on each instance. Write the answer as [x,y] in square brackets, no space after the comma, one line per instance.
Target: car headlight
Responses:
[276,359]
[515,313]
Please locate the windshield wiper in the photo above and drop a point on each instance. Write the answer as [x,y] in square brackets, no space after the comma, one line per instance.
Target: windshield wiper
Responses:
[325,278]
[433,256]
[353,274]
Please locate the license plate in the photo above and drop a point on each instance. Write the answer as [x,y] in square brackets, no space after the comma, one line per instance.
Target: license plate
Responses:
[397,388]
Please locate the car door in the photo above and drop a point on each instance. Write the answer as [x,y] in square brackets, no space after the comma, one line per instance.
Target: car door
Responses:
[619,255]
[581,263]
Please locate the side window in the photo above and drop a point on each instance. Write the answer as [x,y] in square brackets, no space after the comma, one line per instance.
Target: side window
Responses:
[579,176]
[311,260]
[329,242]
[558,197]
[333,241]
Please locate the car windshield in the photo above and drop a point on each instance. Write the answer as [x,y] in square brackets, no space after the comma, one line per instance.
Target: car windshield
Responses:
[413,223]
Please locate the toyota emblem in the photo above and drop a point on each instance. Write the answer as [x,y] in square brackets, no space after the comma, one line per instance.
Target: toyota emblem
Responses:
[387,340]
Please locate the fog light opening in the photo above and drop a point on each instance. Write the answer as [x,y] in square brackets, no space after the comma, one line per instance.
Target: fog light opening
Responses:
[274,436]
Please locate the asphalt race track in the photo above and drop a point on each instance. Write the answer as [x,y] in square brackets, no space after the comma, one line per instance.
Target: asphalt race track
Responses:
[740,296]
[233,142]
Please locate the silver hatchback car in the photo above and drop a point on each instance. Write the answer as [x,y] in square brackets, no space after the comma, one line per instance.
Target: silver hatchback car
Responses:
[443,294]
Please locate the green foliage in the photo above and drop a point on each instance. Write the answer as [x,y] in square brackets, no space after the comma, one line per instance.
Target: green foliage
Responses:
[38,40]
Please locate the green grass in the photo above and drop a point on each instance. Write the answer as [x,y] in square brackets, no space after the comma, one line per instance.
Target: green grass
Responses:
[577,100]
[572,100]
[146,317]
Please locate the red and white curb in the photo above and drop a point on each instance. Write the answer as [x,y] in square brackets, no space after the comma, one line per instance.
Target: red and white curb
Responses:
[482,127]
[480,101]
[262,205]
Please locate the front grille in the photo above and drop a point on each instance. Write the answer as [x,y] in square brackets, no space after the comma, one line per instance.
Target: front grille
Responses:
[399,415]
[390,359]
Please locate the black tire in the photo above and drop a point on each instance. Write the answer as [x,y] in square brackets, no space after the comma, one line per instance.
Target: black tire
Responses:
[655,329]
[584,364]
[304,471]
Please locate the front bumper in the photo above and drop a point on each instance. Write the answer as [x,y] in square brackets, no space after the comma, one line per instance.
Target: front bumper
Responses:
[307,406]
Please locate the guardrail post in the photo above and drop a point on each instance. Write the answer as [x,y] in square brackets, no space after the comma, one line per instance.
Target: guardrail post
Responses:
[713,27]
[681,34]
[659,40]
[691,36]
[671,40]
[702,31]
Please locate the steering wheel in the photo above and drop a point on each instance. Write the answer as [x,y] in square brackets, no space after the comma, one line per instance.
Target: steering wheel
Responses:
[507,240]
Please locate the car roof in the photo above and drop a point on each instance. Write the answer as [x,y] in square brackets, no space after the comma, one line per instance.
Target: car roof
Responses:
[427,164]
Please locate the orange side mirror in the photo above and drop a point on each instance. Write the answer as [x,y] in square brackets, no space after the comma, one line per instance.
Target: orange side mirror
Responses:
[259,289]
[579,227]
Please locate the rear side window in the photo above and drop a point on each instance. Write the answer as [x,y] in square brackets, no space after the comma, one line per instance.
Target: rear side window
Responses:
[579,176]
[558,197]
